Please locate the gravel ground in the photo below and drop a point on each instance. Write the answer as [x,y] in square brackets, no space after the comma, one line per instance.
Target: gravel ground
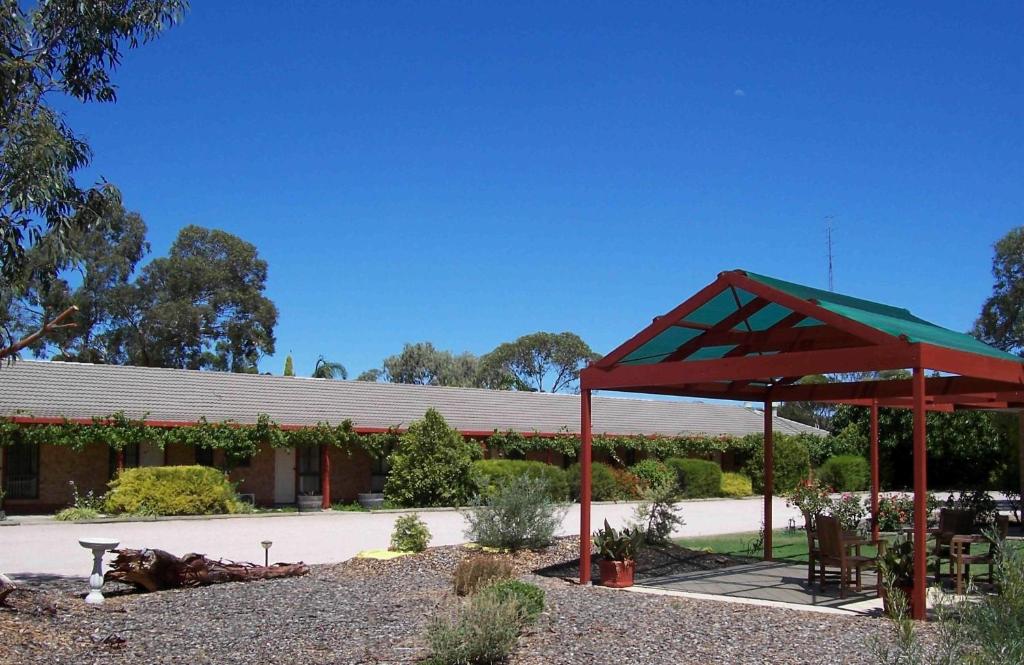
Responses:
[366,611]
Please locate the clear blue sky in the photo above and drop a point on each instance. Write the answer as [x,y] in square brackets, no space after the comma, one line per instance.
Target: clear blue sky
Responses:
[465,175]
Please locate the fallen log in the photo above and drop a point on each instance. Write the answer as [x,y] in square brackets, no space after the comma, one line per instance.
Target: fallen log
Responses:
[6,588]
[156,570]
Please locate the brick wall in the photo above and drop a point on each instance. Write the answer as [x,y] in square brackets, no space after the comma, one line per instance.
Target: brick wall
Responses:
[88,468]
[257,478]
[350,475]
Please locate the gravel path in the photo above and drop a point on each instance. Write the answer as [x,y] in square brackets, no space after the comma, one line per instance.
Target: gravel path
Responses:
[376,611]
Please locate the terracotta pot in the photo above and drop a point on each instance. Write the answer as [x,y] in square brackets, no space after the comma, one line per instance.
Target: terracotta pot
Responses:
[908,591]
[617,574]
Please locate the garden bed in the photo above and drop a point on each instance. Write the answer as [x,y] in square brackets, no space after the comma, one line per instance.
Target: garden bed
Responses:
[370,611]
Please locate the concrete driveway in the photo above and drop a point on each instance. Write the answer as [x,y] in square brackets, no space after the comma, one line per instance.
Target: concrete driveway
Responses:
[44,547]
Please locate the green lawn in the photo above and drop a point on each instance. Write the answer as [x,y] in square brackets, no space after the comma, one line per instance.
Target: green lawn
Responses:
[788,545]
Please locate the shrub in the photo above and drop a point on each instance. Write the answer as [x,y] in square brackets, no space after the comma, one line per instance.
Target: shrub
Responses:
[410,534]
[477,571]
[658,516]
[845,473]
[529,597]
[86,506]
[653,473]
[433,465]
[516,515]
[736,484]
[492,473]
[849,511]
[172,490]
[893,511]
[74,514]
[627,485]
[697,478]
[602,482]
[792,465]
[483,631]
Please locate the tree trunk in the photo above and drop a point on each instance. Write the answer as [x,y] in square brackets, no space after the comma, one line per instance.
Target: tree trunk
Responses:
[155,570]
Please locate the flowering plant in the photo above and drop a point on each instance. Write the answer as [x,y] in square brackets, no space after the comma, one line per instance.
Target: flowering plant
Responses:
[811,498]
[849,511]
[893,511]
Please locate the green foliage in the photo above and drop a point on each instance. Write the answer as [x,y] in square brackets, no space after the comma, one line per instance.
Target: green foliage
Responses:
[529,597]
[531,360]
[423,364]
[518,514]
[75,514]
[325,369]
[64,49]
[410,534]
[653,473]
[615,545]
[495,472]
[849,511]
[849,441]
[894,511]
[845,473]
[627,485]
[478,571]
[289,366]
[978,502]
[810,497]
[1000,323]
[658,515]
[736,485]
[897,562]
[603,486]
[483,632]
[792,464]
[433,465]
[696,478]
[172,490]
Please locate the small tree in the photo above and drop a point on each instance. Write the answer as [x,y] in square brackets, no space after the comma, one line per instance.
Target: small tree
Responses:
[658,516]
[289,366]
[519,514]
[433,465]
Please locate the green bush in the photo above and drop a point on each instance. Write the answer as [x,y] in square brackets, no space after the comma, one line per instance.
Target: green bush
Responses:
[172,490]
[484,631]
[736,485]
[495,472]
[433,465]
[478,571]
[410,534]
[602,482]
[75,514]
[518,514]
[792,464]
[653,473]
[627,485]
[529,597]
[845,473]
[697,478]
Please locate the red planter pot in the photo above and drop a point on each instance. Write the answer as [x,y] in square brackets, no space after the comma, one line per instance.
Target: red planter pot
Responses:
[617,574]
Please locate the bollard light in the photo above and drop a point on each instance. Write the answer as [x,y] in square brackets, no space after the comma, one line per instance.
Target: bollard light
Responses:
[265,544]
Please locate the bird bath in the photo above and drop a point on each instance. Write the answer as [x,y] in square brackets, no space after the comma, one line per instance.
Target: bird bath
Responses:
[98,547]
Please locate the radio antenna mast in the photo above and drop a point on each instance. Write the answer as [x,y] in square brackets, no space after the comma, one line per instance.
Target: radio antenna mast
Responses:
[828,242]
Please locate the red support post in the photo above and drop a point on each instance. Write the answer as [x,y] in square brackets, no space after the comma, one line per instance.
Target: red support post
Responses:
[325,476]
[875,480]
[769,478]
[920,498]
[585,441]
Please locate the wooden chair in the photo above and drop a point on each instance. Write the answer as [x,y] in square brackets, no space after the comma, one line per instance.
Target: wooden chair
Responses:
[952,522]
[833,550]
[961,556]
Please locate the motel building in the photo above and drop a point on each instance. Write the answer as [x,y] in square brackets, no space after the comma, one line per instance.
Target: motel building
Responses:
[36,477]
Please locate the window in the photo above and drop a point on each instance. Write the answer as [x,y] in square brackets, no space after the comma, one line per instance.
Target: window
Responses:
[131,458]
[309,469]
[204,456]
[21,471]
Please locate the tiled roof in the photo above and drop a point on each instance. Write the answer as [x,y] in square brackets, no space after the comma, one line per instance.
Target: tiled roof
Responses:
[75,390]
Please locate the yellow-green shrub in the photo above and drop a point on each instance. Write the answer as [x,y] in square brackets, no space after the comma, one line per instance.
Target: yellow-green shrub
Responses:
[172,490]
[736,484]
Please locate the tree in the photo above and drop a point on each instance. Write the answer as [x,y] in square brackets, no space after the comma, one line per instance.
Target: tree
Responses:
[201,307]
[289,366]
[423,364]
[815,414]
[69,48]
[326,369]
[532,359]
[371,376]
[1001,322]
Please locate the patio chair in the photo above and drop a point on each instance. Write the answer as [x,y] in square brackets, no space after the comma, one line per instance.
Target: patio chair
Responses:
[952,522]
[961,556]
[833,550]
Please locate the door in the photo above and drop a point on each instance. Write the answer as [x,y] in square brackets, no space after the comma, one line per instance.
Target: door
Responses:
[284,475]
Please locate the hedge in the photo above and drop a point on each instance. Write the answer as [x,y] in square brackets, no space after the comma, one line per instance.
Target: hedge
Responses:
[736,485]
[653,473]
[697,478]
[603,486]
[792,465]
[845,473]
[172,490]
[495,472]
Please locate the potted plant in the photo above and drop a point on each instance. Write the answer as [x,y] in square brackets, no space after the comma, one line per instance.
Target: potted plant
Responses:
[310,502]
[618,554]
[896,566]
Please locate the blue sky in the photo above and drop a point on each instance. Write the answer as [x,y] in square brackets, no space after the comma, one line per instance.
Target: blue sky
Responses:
[464,174]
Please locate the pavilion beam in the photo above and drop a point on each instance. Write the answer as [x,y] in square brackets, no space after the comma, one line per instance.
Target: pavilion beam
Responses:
[920,497]
[725,325]
[769,477]
[892,356]
[937,386]
[971,364]
[875,480]
[585,469]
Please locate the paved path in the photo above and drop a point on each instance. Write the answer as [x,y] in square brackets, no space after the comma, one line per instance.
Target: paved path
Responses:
[51,548]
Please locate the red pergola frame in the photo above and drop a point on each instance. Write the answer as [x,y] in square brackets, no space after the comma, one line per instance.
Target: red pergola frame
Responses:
[962,380]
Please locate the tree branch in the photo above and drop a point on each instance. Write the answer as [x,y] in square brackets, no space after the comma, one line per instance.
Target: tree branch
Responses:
[47,328]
